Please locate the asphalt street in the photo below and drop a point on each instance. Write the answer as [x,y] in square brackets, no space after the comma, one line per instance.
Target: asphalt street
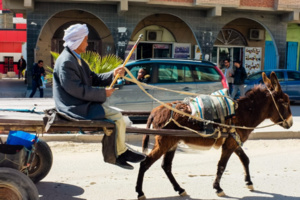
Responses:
[79,172]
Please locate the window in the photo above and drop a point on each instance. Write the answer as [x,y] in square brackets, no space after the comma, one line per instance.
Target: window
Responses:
[255,76]
[168,73]
[6,21]
[174,73]
[135,69]
[280,76]
[203,73]
[293,76]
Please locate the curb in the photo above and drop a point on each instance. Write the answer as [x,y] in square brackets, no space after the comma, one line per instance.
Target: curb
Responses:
[134,138]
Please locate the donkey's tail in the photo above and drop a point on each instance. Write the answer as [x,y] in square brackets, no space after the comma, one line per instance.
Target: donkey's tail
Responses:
[146,137]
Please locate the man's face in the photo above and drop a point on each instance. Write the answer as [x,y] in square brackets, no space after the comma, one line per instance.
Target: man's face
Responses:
[82,47]
[40,64]
[141,73]
[226,63]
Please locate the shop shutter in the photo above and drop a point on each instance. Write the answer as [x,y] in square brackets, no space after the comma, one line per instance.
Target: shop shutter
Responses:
[270,56]
[291,55]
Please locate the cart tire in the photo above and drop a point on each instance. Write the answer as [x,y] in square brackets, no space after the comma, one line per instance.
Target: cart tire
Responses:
[16,185]
[42,162]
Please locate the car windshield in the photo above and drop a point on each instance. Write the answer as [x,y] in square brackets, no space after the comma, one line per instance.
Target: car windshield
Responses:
[256,75]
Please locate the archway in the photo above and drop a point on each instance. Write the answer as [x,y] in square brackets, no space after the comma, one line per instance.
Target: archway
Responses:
[245,40]
[163,38]
[50,38]
[94,40]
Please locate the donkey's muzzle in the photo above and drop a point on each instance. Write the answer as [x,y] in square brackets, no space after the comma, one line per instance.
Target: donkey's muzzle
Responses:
[288,122]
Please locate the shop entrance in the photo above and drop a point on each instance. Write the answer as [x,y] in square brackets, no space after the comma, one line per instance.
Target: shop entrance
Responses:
[228,45]
[8,64]
[152,50]
[231,53]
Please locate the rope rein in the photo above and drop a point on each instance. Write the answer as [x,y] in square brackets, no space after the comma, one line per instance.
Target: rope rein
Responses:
[140,85]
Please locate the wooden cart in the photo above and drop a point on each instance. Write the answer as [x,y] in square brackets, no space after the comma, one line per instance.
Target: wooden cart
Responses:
[42,159]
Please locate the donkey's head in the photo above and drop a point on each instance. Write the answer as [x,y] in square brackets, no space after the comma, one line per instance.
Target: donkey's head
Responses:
[281,111]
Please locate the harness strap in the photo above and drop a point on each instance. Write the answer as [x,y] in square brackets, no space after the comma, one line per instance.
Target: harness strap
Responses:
[276,105]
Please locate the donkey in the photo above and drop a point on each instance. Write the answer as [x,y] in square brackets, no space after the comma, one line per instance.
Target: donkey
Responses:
[262,102]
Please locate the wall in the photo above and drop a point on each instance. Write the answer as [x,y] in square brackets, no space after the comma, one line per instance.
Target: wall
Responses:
[205,29]
[243,26]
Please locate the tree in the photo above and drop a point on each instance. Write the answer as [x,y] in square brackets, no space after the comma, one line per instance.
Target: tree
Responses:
[96,63]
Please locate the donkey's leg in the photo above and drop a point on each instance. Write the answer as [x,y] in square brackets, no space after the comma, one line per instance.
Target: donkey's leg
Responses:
[245,161]
[167,167]
[226,153]
[162,145]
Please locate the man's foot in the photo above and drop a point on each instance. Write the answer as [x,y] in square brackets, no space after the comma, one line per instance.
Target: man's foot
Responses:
[122,163]
[131,156]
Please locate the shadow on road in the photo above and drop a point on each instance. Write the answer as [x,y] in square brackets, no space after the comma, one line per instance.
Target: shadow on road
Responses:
[270,196]
[58,191]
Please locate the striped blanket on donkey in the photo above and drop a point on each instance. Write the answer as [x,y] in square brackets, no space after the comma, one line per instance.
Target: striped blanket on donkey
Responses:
[216,109]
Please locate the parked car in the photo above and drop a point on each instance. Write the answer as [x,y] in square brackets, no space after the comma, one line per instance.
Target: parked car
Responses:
[288,79]
[199,77]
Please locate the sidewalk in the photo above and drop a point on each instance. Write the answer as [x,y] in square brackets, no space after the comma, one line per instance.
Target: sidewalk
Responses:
[15,88]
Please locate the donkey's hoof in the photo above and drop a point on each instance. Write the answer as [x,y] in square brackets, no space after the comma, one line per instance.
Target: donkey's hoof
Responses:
[183,193]
[250,187]
[221,194]
[143,197]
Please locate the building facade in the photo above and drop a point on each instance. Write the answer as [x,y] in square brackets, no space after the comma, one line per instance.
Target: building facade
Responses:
[198,29]
[13,38]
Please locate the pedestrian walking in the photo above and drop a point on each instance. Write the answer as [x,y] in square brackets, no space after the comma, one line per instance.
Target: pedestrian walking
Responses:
[38,72]
[21,66]
[239,77]
[228,70]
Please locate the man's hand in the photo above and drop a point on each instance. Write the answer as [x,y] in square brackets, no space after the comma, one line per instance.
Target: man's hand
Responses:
[109,91]
[119,70]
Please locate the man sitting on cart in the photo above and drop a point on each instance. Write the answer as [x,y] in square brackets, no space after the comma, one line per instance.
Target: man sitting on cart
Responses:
[76,93]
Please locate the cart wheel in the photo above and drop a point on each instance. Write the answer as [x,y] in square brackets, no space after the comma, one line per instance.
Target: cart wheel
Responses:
[42,162]
[16,185]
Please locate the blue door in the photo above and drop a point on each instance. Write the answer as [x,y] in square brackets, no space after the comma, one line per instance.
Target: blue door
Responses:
[291,55]
[270,56]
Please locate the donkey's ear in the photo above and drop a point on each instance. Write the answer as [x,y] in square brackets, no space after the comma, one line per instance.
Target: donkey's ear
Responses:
[275,82]
[267,81]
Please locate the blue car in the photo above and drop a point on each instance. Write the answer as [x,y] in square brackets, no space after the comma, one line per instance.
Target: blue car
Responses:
[289,81]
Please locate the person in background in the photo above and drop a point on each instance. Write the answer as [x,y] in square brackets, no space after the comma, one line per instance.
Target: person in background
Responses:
[239,77]
[143,76]
[76,91]
[21,66]
[38,72]
[228,70]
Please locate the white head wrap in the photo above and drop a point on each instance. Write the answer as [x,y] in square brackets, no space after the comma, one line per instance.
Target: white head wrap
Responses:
[74,35]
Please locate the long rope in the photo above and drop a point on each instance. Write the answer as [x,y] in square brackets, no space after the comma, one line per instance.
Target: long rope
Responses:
[139,84]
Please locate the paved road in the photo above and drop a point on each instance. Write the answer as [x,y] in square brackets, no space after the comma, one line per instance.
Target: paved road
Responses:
[79,173]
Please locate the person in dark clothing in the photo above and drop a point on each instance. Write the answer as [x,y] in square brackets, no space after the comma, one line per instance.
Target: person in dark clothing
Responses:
[38,72]
[239,77]
[21,66]
[143,76]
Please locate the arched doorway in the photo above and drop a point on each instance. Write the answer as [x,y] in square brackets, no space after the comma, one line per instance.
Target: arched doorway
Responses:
[94,40]
[50,38]
[244,40]
[165,36]
[228,45]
